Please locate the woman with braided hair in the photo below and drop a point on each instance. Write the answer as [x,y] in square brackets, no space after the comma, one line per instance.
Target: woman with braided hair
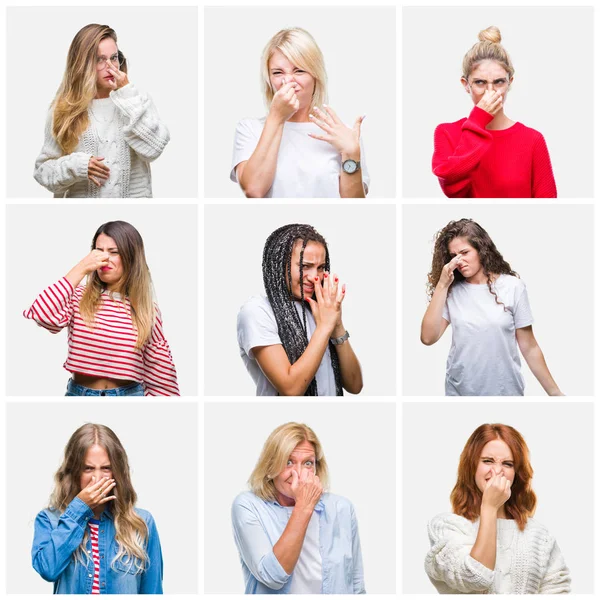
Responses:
[472,286]
[293,341]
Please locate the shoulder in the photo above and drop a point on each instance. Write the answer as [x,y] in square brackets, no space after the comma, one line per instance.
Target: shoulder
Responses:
[450,127]
[337,501]
[510,282]
[250,124]
[49,515]
[246,503]
[256,306]
[530,132]
[447,524]
[146,515]
[539,530]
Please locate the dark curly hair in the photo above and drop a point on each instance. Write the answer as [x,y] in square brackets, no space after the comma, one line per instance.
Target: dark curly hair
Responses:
[491,260]
[277,278]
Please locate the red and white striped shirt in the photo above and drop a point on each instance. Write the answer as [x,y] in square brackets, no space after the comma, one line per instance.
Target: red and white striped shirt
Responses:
[95,556]
[108,349]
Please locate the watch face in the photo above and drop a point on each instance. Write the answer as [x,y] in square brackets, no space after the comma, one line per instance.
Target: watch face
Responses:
[349,166]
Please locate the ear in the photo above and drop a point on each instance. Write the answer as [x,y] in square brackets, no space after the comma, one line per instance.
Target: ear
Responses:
[466,85]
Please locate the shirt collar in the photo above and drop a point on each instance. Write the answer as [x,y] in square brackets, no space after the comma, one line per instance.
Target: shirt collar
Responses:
[318,508]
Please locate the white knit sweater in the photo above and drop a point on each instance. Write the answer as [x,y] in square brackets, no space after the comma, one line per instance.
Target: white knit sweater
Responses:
[527,562]
[141,138]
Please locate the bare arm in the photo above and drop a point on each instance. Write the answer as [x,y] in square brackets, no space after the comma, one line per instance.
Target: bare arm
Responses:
[534,357]
[433,324]
[350,369]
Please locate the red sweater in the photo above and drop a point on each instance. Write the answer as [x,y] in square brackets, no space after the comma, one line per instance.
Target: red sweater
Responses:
[471,161]
[108,349]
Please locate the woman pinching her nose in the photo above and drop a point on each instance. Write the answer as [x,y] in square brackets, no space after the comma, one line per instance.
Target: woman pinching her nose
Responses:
[490,544]
[301,148]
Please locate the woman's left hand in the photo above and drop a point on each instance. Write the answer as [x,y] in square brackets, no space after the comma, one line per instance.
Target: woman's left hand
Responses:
[120,78]
[345,140]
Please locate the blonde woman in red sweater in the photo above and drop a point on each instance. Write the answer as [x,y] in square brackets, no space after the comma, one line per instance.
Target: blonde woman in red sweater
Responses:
[487,155]
[116,341]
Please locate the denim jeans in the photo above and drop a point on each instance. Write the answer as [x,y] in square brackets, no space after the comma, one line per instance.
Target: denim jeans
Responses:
[133,389]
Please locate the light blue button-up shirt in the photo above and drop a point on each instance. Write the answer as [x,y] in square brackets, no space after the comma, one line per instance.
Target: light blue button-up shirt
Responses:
[258,524]
[57,537]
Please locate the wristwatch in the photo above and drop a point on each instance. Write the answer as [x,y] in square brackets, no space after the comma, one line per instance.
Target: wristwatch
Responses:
[350,166]
[340,340]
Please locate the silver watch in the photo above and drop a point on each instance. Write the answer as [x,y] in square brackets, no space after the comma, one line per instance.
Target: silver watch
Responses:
[351,166]
[340,340]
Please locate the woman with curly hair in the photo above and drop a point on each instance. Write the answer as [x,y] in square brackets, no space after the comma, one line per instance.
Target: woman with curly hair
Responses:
[102,132]
[473,288]
[293,341]
[92,539]
[490,544]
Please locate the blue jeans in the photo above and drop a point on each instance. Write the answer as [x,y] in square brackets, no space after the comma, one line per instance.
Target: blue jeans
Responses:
[133,389]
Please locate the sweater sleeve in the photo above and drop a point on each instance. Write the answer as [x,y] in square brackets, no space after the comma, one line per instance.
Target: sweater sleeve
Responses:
[54,544]
[454,162]
[543,184]
[449,560]
[55,171]
[145,133]
[160,376]
[53,308]
[557,578]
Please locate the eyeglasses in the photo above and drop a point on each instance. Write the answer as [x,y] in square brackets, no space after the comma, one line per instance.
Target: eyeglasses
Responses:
[116,60]
[481,84]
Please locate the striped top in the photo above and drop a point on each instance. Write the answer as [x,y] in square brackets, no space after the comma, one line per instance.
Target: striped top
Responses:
[95,555]
[108,349]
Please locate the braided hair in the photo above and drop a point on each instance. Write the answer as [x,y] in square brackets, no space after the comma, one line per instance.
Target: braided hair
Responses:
[277,278]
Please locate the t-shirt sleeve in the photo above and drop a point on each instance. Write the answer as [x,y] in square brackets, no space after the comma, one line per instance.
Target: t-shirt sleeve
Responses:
[446,312]
[522,311]
[244,144]
[256,326]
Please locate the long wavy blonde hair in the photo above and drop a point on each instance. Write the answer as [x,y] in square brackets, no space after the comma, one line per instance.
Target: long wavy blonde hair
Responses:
[275,454]
[136,283]
[78,86]
[131,530]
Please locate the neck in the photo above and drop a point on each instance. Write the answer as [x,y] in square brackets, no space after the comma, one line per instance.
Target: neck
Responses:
[98,513]
[300,116]
[102,93]
[501,513]
[479,277]
[284,500]
[500,121]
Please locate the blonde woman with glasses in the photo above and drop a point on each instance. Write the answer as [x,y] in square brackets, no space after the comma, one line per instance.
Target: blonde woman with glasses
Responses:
[102,132]
[293,537]
[487,154]
[92,539]
[301,149]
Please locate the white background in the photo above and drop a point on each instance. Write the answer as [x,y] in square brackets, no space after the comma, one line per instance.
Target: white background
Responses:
[358,44]
[164,471]
[560,439]
[361,241]
[551,51]
[45,242]
[541,245]
[358,441]
[160,44]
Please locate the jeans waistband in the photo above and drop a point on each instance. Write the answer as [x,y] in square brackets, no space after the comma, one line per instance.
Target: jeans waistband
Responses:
[133,389]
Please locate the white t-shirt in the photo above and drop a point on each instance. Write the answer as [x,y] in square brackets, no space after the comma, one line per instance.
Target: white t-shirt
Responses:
[306,168]
[484,356]
[256,326]
[307,576]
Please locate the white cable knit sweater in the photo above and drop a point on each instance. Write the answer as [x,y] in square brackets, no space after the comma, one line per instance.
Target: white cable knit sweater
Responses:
[140,138]
[527,562]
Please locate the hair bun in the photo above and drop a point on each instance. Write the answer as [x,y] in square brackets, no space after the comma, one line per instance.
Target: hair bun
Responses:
[491,34]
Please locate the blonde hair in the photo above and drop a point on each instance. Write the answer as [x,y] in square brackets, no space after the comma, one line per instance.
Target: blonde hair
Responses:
[275,454]
[131,530]
[488,48]
[136,283]
[78,86]
[301,49]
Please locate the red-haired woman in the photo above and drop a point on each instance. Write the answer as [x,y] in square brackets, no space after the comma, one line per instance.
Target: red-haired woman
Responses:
[489,544]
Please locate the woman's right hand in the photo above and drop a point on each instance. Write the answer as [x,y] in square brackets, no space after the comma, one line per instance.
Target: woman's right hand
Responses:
[96,493]
[98,172]
[285,102]
[491,101]
[327,309]
[497,492]
[95,260]
[307,489]
[447,274]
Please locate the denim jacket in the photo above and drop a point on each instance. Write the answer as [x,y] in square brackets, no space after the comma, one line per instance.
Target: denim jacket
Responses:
[258,524]
[57,537]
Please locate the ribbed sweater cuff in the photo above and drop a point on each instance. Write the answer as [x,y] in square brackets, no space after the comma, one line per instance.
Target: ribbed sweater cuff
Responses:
[480,117]
[484,575]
